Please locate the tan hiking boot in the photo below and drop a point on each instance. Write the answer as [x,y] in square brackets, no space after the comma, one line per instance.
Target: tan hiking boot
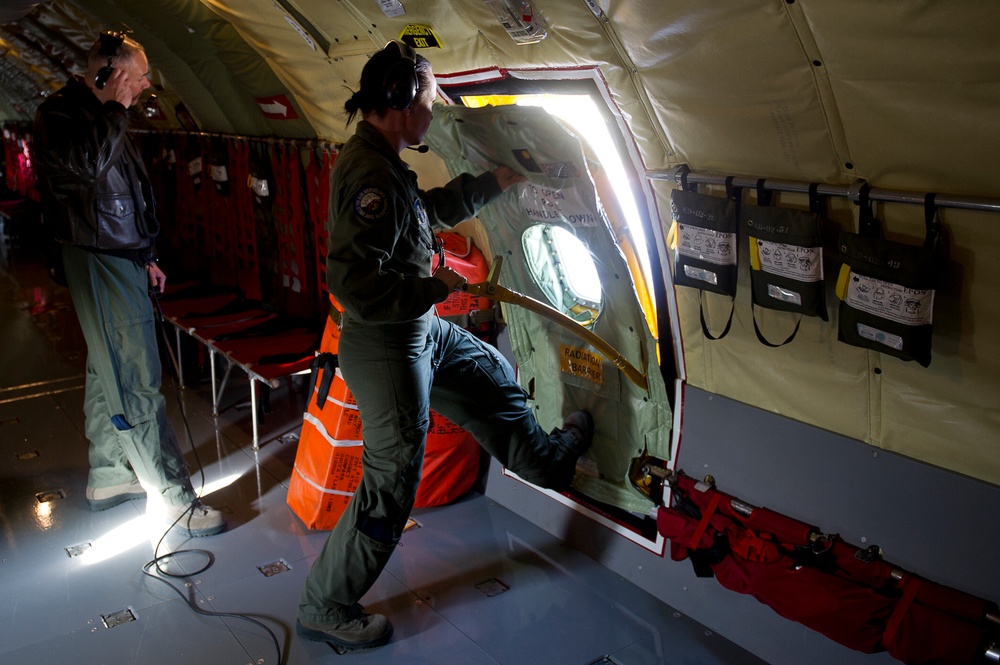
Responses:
[102,498]
[196,519]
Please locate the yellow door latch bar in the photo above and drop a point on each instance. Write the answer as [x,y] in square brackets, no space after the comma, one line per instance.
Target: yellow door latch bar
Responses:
[491,289]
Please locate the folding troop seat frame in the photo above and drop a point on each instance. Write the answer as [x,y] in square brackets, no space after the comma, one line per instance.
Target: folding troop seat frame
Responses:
[231,320]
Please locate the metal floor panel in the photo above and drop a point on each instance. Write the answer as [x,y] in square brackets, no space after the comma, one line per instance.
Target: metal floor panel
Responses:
[165,633]
[554,606]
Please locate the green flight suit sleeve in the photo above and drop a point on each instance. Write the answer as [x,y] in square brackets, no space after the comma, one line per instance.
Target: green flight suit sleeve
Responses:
[460,199]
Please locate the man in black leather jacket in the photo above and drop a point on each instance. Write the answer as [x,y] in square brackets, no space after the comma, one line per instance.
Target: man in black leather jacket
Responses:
[96,199]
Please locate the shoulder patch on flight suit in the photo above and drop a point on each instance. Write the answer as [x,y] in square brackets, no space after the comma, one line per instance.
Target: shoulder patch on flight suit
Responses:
[421,211]
[370,203]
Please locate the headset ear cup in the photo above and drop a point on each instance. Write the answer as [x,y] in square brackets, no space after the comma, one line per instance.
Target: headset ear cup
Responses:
[401,85]
[110,43]
[103,74]
[400,81]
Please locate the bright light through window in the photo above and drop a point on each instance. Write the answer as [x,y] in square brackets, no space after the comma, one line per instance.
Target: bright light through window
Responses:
[581,113]
[581,116]
[563,269]
[581,276]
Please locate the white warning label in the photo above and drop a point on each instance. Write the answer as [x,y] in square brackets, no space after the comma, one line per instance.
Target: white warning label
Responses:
[784,295]
[546,205]
[804,264]
[706,244]
[701,275]
[912,307]
[218,173]
[880,336]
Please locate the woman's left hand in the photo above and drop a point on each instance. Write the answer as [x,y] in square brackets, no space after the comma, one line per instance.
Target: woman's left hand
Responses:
[507,177]
[450,277]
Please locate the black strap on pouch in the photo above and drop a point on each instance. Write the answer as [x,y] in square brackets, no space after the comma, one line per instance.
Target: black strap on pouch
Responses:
[707,245]
[786,261]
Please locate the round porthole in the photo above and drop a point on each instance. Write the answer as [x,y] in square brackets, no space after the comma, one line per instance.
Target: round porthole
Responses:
[561,266]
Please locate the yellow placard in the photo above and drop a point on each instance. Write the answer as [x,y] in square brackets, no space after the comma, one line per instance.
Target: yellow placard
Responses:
[754,254]
[582,363]
[419,36]
[843,279]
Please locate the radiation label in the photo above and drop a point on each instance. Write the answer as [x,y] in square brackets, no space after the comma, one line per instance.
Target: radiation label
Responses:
[880,336]
[582,363]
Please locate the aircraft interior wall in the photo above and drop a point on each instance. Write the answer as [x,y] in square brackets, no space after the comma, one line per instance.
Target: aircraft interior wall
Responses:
[925,520]
[890,101]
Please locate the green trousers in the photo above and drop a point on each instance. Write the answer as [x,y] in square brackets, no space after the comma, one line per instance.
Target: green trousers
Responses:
[396,372]
[126,422]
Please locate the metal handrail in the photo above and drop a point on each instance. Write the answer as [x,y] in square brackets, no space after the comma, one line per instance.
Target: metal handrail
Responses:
[851,191]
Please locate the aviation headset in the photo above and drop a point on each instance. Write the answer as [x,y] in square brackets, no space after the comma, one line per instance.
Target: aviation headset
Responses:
[111,41]
[400,82]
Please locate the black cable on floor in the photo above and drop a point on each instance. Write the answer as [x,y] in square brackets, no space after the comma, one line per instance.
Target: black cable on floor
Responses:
[157,558]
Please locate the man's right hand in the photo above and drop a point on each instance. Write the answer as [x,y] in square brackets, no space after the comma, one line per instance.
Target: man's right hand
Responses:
[116,88]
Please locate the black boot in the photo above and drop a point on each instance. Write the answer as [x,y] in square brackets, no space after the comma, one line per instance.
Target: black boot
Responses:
[365,631]
[580,425]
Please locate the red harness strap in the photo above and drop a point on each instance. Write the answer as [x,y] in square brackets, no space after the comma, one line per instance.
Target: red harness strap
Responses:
[288,214]
[219,207]
[244,230]
[184,222]
[706,519]
[26,182]
[910,587]
[318,187]
[10,158]
[201,201]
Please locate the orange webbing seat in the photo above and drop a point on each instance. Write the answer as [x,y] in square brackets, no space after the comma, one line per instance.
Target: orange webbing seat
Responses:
[451,455]
[451,463]
[328,461]
[327,467]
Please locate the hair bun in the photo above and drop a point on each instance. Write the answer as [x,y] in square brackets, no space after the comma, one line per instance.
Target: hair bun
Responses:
[353,104]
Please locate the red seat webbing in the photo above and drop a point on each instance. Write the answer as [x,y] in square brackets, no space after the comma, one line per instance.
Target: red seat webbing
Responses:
[288,215]
[318,186]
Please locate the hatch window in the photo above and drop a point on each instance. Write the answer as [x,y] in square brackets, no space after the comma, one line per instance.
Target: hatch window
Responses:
[580,115]
[562,267]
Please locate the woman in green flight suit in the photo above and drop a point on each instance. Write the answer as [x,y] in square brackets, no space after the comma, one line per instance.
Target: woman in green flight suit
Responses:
[398,358]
